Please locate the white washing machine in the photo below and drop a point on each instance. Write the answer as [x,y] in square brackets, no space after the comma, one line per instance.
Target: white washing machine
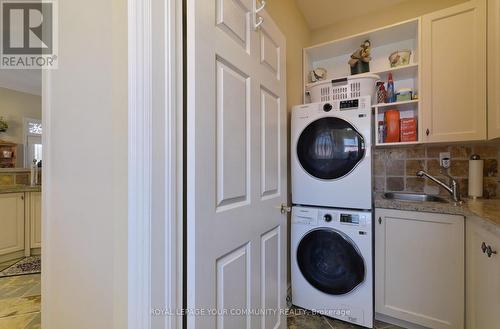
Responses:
[331,263]
[331,154]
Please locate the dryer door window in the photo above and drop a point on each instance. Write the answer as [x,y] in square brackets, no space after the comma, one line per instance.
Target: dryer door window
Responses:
[330,262]
[330,148]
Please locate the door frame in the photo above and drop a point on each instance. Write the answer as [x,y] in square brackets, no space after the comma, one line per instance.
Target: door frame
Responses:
[148,75]
[155,90]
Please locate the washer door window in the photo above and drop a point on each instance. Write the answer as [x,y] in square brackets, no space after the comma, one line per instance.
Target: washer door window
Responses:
[330,148]
[330,262]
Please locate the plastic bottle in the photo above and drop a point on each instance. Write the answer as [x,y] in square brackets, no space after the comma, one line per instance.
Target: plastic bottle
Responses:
[391,95]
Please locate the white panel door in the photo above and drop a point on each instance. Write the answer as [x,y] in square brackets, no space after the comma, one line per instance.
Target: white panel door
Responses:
[236,168]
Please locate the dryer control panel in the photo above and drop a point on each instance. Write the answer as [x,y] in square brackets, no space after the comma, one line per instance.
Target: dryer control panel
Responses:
[316,216]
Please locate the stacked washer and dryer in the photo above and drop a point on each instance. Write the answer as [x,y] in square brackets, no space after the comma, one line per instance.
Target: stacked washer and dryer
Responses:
[331,233]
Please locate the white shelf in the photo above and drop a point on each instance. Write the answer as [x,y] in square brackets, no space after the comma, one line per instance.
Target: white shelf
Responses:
[397,143]
[409,71]
[382,36]
[397,105]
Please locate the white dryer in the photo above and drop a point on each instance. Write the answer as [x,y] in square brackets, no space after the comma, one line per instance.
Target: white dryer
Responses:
[331,263]
[331,154]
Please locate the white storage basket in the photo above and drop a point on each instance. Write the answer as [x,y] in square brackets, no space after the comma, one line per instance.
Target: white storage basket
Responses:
[345,88]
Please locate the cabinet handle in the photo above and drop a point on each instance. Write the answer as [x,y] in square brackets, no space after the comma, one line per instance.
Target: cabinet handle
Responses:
[483,247]
[22,197]
[490,251]
[380,220]
[427,132]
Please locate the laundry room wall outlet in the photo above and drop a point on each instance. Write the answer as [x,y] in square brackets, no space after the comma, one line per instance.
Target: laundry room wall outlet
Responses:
[445,159]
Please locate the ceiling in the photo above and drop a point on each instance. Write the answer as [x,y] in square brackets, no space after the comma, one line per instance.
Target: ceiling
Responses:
[26,81]
[321,13]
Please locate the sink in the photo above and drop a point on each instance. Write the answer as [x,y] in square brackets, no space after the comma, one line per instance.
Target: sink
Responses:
[413,197]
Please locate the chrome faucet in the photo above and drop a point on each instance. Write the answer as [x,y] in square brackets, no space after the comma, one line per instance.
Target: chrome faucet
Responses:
[452,187]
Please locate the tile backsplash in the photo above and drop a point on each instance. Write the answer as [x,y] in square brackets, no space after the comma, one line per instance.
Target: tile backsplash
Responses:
[395,168]
[9,177]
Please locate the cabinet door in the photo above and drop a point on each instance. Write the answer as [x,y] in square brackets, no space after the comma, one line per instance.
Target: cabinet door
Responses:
[419,268]
[493,69]
[36,219]
[454,73]
[11,222]
[483,278]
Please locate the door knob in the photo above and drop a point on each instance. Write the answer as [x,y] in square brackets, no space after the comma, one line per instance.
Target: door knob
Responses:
[285,209]
[490,251]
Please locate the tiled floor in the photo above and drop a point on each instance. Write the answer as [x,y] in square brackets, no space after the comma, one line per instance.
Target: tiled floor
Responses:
[20,299]
[306,320]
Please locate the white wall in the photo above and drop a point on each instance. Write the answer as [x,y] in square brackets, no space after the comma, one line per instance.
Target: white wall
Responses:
[84,274]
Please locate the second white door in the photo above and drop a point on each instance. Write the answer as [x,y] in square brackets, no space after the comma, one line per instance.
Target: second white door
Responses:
[236,168]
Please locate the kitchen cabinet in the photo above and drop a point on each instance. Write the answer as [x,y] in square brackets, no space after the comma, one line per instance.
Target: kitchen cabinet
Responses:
[483,276]
[453,73]
[35,219]
[419,268]
[493,69]
[11,223]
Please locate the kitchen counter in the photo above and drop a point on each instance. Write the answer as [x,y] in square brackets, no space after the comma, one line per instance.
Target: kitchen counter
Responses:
[487,209]
[19,188]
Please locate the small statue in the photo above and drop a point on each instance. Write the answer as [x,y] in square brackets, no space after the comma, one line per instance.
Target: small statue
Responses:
[360,59]
[361,54]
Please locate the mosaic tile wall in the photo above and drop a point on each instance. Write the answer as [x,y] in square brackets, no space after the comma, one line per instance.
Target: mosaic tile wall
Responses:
[395,168]
[21,177]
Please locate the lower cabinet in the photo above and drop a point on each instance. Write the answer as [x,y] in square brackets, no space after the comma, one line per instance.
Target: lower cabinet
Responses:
[483,275]
[35,219]
[419,268]
[11,223]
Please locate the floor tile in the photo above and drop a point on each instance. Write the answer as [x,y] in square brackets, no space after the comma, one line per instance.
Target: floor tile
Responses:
[18,286]
[307,321]
[35,323]
[19,305]
[18,321]
[299,318]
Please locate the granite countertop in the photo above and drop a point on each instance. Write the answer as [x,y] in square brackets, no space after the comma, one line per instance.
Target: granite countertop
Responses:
[19,188]
[487,209]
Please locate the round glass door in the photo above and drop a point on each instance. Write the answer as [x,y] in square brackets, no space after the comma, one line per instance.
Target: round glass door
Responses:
[330,262]
[330,148]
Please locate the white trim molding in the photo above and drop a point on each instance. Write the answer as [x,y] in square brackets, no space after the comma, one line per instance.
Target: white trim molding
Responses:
[174,161]
[155,163]
[139,163]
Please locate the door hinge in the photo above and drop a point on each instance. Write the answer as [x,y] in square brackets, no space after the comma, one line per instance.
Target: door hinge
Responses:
[285,209]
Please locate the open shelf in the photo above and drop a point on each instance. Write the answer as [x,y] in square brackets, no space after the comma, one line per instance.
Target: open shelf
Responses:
[404,72]
[402,106]
[397,143]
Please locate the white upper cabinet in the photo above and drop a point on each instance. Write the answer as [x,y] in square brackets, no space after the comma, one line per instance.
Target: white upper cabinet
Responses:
[454,73]
[493,69]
